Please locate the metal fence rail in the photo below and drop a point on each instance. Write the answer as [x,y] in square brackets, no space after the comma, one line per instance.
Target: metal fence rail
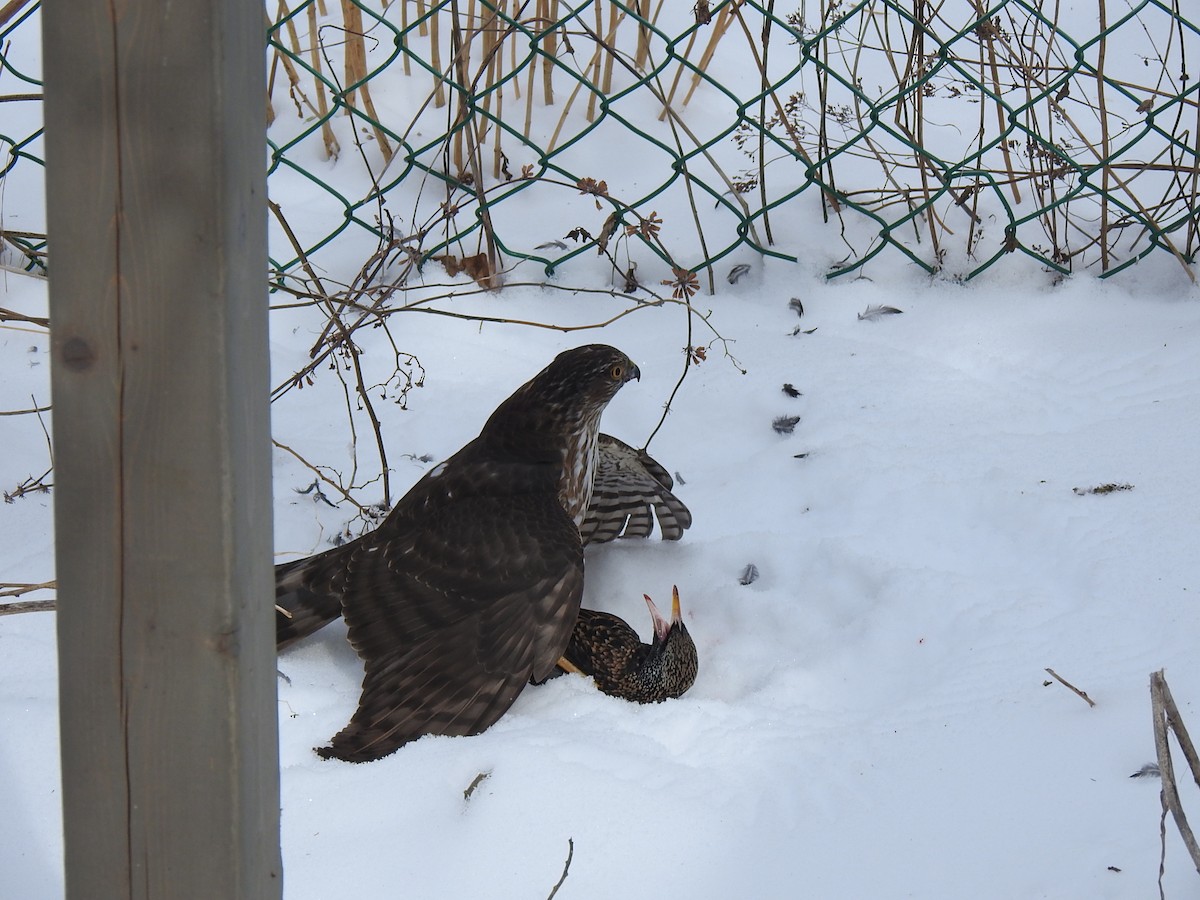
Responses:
[492,133]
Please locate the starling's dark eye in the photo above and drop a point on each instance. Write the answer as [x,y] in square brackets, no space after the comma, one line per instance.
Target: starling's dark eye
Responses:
[618,372]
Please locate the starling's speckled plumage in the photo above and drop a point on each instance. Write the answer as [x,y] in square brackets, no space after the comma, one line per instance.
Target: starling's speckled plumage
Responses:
[607,648]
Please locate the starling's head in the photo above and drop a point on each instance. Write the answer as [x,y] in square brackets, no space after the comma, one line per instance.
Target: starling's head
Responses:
[672,653]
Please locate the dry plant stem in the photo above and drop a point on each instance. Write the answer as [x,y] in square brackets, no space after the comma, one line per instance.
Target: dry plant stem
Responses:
[987,47]
[529,73]
[8,315]
[614,20]
[752,45]
[1166,715]
[272,71]
[595,67]
[27,606]
[679,70]
[435,60]
[643,41]
[764,85]
[1175,721]
[549,18]
[475,155]
[24,412]
[724,20]
[1070,686]
[10,10]
[1162,852]
[344,339]
[356,72]
[405,22]
[1032,81]
[566,869]
[1105,142]
[17,589]
[296,91]
[327,136]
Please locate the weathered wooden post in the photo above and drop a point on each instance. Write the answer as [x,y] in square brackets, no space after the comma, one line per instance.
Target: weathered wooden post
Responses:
[155,145]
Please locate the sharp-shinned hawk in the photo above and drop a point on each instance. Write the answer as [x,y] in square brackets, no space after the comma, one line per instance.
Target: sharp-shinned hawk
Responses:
[471,585]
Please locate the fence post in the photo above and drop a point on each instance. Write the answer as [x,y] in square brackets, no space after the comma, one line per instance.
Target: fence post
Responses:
[155,144]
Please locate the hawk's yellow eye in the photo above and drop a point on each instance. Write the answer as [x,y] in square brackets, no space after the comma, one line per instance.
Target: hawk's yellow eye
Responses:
[618,372]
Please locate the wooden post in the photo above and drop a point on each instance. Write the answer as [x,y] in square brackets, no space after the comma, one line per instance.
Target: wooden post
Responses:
[156,154]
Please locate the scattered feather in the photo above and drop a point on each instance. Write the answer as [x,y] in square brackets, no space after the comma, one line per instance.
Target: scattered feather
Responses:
[800,455]
[476,782]
[785,424]
[1103,489]
[797,305]
[737,272]
[749,574]
[679,479]
[318,494]
[798,330]
[791,391]
[557,245]
[871,313]
[1149,770]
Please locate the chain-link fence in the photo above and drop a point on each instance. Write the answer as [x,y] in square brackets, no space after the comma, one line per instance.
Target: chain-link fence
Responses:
[487,134]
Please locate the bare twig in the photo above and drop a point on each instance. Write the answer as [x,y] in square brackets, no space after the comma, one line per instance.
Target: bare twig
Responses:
[566,869]
[26,606]
[1166,715]
[24,412]
[8,315]
[1072,687]
[16,589]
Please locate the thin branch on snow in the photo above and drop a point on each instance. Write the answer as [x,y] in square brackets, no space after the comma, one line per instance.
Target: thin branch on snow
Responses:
[1067,684]
[566,869]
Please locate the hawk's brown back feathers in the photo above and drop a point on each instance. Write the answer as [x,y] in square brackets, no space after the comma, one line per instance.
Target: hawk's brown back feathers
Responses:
[471,585]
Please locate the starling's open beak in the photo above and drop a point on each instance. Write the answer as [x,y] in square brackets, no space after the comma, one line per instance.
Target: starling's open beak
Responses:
[662,627]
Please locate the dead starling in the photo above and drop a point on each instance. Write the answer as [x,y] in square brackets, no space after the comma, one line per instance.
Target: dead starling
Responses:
[605,647]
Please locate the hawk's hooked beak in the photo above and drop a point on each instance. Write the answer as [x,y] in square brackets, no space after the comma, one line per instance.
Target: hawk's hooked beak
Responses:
[631,373]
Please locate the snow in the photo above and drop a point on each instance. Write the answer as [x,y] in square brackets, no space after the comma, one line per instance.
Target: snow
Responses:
[872,715]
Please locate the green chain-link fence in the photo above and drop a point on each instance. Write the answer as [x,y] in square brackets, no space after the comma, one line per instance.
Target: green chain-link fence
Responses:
[490,133]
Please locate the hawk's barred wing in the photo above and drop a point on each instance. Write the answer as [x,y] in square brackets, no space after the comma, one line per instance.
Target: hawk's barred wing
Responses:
[630,489]
[454,613]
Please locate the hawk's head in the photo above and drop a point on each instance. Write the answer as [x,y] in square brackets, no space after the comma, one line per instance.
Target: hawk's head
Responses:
[569,394]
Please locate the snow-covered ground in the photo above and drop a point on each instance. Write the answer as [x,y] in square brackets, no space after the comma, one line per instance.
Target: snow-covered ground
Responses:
[872,717]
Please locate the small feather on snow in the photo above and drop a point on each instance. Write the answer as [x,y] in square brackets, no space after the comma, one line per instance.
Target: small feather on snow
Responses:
[871,313]
[785,424]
